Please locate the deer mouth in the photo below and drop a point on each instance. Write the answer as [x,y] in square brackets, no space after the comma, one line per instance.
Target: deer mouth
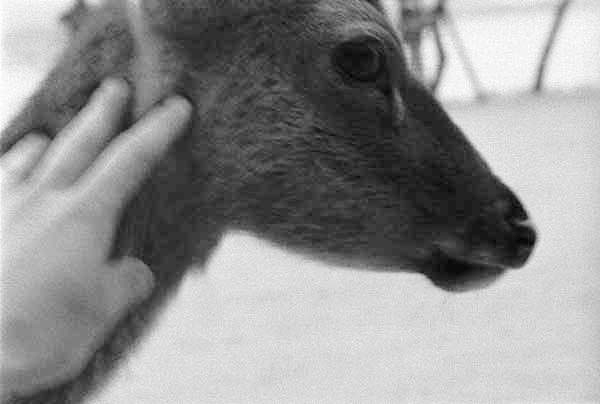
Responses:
[459,275]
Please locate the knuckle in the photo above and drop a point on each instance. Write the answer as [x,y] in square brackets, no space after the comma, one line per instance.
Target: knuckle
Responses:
[94,207]
[141,152]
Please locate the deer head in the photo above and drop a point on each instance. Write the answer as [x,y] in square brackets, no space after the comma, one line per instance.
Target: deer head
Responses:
[322,141]
[309,131]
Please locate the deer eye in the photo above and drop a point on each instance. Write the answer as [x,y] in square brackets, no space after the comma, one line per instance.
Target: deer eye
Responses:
[359,60]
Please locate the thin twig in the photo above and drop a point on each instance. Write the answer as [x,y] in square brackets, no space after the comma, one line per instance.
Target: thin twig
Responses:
[541,71]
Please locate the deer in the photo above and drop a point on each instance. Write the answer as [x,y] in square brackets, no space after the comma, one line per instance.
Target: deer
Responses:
[309,131]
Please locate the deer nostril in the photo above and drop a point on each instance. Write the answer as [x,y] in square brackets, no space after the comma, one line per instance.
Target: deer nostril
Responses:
[511,209]
[525,238]
[526,235]
[520,233]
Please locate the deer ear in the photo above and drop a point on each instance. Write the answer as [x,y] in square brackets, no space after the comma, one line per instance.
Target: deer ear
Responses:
[186,18]
[101,48]
[76,16]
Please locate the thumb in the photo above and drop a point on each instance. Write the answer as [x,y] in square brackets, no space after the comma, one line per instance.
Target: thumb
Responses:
[129,282]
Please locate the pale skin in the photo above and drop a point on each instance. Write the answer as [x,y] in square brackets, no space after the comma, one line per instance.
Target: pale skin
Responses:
[61,203]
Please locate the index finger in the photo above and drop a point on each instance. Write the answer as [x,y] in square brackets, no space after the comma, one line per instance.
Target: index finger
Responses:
[123,165]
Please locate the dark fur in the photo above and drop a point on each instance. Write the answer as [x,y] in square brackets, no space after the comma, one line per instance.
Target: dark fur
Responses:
[281,145]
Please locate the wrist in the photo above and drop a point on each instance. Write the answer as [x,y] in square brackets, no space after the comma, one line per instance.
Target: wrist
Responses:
[28,363]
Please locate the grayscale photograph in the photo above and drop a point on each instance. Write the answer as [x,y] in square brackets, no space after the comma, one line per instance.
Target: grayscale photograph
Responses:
[299,201]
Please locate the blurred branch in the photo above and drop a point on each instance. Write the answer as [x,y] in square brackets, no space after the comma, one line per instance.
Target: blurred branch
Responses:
[465,59]
[415,20]
[558,19]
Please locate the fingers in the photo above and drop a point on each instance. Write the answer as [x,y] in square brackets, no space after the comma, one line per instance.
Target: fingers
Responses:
[83,139]
[123,165]
[126,283]
[21,159]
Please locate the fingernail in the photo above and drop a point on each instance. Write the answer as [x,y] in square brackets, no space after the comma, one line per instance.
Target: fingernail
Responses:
[178,104]
[35,138]
[115,85]
[142,279]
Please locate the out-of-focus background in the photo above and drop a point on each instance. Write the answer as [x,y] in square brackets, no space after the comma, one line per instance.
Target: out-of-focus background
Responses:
[265,325]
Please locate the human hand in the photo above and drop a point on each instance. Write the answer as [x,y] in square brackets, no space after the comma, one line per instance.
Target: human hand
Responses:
[61,203]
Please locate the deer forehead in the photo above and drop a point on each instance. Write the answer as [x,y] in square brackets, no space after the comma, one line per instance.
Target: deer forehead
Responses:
[333,21]
[186,18]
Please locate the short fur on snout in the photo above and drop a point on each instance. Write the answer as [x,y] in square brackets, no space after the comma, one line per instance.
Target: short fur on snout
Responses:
[284,144]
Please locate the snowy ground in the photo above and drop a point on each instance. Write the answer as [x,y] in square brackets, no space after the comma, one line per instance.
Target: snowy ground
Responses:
[264,325]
